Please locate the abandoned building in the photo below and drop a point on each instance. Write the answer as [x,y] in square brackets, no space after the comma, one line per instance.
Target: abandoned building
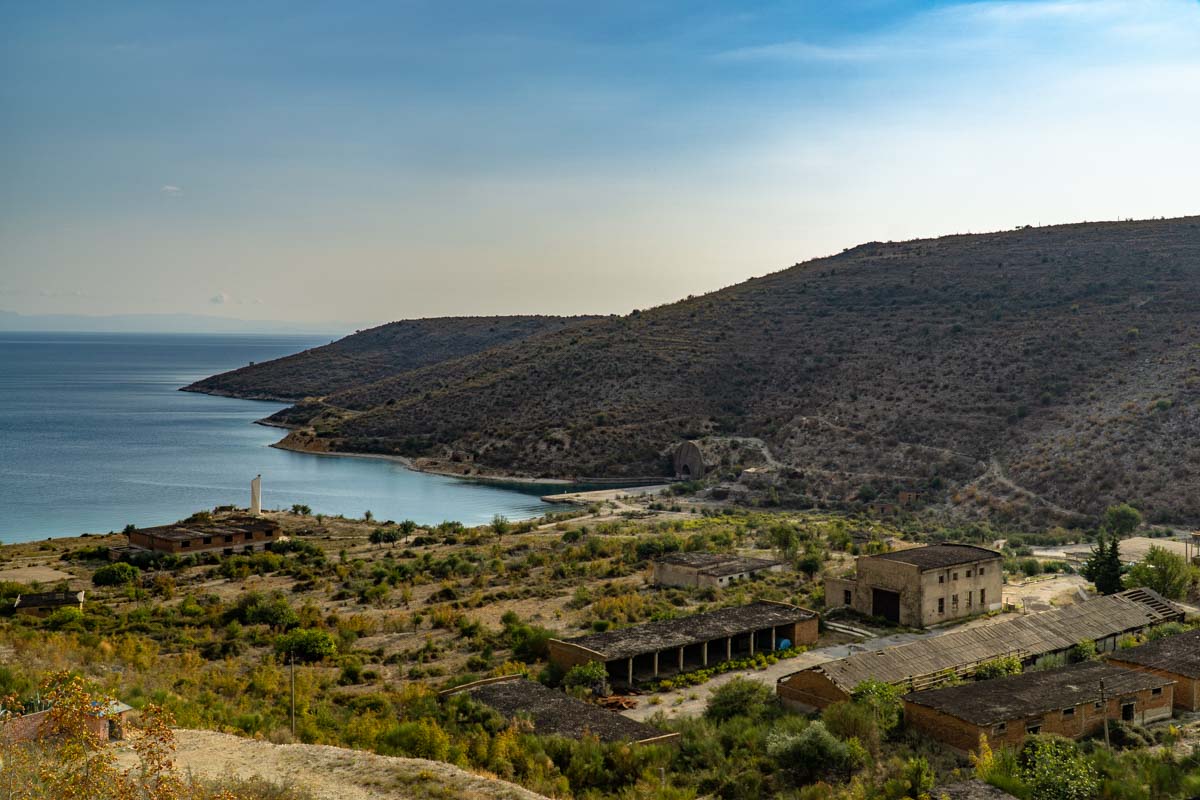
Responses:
[107,723]
[1175,658]
[659,649]
[691,461]
[1069,701]
[1032,638]
[43,604]
[555,713]
[243,533]
[701,570]
[922,586]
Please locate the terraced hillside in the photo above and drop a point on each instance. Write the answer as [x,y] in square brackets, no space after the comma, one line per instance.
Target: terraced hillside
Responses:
[374,354]
[1038,372]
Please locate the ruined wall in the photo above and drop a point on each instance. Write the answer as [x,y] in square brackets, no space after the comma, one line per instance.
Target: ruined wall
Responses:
[809,689]
[964,582]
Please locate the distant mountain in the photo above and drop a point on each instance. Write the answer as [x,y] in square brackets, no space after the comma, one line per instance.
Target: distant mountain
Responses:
[160,323]
[375,354]
[1034,374]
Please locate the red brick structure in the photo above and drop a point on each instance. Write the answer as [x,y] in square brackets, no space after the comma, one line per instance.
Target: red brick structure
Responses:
[230,535]
[106,724]
[1070,701]
[660,649]
[1175,658]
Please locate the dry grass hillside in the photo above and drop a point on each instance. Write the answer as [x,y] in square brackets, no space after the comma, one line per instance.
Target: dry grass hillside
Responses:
[1040,371]
[374,354]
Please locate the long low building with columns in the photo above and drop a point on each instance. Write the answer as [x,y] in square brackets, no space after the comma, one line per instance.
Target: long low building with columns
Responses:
[660,649]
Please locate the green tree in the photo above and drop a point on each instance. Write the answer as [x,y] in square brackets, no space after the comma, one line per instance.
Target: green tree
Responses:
[1166,573]
[500,525]
[884,701]
[306,644]
[407,528]
[998,668]
[1122,520]
[785,540]
[301,509]
[1103,568]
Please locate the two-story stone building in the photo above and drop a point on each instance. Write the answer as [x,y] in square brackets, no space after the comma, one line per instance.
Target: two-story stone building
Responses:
[922,586]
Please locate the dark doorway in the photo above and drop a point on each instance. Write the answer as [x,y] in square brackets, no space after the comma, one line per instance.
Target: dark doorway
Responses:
[885,604]
[1127,712]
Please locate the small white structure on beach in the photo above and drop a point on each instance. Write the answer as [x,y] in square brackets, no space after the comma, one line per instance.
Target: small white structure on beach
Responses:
[256,495]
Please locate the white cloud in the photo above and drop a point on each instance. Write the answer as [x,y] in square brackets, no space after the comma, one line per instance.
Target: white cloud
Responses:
[170,190]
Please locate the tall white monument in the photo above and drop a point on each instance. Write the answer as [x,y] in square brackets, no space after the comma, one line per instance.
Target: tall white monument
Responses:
[256,496]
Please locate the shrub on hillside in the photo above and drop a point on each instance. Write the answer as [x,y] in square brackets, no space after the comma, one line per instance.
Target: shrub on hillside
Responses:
[115,574]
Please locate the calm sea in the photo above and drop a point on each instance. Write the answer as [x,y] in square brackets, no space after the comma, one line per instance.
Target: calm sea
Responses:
[95,435]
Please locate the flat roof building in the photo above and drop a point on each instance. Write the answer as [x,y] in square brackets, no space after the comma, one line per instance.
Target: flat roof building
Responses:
[1174,657]
[1029,637]
[42,604]
[243,533]
[1069,701]
[555,713]
[667,647]
[922,586]
[702,570]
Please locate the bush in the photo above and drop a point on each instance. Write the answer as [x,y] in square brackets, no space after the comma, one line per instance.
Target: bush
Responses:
[739,697]
[814,752]
[998,668]
[115,574]
[1054,769]
[593,676]
[848,720]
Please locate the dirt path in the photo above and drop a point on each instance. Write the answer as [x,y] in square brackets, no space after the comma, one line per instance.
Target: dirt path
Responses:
[331,773]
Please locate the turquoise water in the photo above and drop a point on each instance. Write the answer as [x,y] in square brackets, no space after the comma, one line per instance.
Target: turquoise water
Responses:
[94,434]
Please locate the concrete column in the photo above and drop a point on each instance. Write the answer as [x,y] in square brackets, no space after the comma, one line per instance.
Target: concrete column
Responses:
[681,659]
[729,648]
[629,667]
[773,645]
[656,663]
[706,654]
[751,642]
[256,495]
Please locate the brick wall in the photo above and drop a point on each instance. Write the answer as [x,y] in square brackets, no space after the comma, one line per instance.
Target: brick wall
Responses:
[809,688]
[1087,719]
[1187,690]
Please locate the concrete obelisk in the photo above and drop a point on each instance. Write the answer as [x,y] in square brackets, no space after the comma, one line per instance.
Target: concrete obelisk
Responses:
[256,496]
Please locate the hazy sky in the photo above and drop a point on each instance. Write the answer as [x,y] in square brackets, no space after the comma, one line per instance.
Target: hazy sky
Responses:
[372,161]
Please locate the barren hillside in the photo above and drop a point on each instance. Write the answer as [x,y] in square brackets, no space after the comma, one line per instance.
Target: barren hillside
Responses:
[374,354]
[1037,370]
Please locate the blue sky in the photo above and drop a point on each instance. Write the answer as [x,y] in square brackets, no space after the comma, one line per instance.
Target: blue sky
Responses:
[371,161]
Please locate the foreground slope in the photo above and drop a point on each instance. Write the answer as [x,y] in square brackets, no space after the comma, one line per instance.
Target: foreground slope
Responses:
[332,773]
[374,354]
[1039,371]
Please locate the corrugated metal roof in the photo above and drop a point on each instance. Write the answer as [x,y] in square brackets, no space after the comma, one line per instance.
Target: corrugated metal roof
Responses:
[1031,635]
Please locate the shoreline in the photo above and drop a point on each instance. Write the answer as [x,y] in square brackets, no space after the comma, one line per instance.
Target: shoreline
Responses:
[408,463]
